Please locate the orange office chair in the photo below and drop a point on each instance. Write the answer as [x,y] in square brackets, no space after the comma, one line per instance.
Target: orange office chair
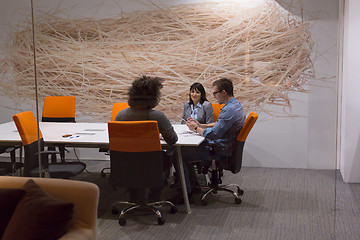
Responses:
[232,163]
[136,162]
[117,107]
[58,109]
[217,108]
[27,126]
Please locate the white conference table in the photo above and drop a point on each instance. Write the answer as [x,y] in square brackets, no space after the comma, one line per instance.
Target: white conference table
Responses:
[95,135]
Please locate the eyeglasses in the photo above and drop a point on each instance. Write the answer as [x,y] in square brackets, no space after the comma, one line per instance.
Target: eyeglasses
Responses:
[214,93]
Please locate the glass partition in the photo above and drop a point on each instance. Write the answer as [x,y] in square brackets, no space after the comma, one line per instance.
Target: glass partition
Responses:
[281,56]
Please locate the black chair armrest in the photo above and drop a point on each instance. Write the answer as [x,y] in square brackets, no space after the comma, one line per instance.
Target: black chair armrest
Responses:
[105,150]
[48,152]
[10,149]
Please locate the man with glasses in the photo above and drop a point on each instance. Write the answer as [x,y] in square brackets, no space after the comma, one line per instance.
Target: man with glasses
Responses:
[219,136]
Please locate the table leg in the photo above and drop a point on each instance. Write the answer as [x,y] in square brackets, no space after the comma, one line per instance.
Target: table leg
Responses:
[21,160]
[182,179]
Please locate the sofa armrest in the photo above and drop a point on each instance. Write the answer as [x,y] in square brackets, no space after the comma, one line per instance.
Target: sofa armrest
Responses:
[84,195]
[79,234]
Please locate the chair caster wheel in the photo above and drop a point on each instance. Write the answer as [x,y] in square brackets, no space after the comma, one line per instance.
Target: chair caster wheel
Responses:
[173,210]
[203,202]
[114,211]
[122,221]
[102,174]
[238,200]
[240,192]
[214,192]
[161,221]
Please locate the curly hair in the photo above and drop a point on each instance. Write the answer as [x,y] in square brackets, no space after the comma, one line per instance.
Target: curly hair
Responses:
[145,91]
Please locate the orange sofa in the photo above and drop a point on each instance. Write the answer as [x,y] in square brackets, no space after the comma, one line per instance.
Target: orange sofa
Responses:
[84,195]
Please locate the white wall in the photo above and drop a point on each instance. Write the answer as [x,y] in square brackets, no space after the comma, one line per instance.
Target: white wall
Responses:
[350,129]
[309,140]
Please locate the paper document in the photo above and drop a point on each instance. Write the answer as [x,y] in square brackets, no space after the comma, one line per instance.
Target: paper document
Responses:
[188,133]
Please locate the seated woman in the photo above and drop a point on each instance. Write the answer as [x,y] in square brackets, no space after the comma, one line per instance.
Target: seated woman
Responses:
[198,107]
[144,95]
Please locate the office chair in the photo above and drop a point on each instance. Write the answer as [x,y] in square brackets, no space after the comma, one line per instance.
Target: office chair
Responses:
[198,165]
[58,109]
[136,163]
[231,163]
[27,126]
[217,108]
[10,168]
[117,107]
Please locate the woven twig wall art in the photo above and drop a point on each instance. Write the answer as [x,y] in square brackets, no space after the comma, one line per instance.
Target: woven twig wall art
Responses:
[264,50]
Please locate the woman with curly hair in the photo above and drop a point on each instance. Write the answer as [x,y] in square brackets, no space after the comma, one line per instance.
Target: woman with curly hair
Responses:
[144,95]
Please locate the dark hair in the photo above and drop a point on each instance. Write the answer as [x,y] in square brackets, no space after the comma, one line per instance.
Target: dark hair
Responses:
[145,91]
[225,84]
[201,89]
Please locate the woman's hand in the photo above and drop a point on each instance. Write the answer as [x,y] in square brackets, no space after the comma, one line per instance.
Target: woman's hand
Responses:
[192,125]
[190,119]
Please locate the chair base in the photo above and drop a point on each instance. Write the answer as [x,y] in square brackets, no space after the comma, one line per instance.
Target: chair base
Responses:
[214,183]
[224,188]
[153,206]
[60,170]
[103,172]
